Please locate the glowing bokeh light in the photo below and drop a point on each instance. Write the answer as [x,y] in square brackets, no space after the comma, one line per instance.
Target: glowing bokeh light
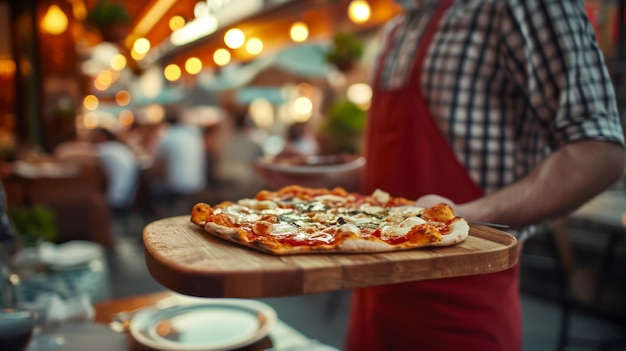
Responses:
[234,38]
[90,102]
[176,22]
[360,94]
[221,57]
[141,46]
[254,46]
[55,20]
[262,113]
[299,32]
[172,72]
[359,11]
[122,98]
[193,65]
[126,118]
[118,62]
[303,107]
[90,120]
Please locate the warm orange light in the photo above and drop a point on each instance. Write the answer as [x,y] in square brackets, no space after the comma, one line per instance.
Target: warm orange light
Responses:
[172,72]
[221,57]
[234,38]
[122,98]
[359,11]
[141,46]
[126,118]
[193,65]
[136,55]
[7,67]
[54,21]
[90,102]
[103,80]
[176,22]
[118,62]
[90,120]
[254,46]
[299,32]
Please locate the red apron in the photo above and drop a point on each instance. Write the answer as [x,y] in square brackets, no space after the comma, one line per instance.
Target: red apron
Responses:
[408,156]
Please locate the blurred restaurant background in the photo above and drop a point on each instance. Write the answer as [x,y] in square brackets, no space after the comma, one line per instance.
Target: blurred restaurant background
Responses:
[252,79]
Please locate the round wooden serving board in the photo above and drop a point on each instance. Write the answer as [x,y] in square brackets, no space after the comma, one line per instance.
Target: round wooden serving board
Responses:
[188,260]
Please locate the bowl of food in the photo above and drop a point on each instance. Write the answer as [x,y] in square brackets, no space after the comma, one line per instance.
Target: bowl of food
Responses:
[317,171]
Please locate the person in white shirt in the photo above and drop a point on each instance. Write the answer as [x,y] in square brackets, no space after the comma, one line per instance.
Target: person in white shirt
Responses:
[121,170]
[179,168]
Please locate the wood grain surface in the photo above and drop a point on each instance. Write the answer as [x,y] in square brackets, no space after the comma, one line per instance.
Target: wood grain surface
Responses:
[186,259]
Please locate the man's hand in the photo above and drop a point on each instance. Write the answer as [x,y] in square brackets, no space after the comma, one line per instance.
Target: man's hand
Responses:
[432,200]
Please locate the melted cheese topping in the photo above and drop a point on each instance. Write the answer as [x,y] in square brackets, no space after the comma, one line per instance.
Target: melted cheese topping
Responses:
[325,218]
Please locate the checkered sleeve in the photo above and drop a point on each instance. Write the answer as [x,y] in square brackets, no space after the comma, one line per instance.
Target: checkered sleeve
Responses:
[551,53]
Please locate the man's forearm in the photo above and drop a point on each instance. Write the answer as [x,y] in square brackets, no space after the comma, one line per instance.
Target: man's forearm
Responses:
[563,182]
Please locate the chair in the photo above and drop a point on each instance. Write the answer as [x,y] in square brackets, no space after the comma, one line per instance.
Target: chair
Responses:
[592,289]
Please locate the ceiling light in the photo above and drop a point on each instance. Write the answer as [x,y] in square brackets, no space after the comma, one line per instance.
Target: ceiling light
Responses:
[254,46]
[194,30]
[118,62]
[90,102]
[193,65]
[299,32]
[201,9]
[122,98]
[360,94]
[54,21]
[234,38]
[141,46]
[359,11]
[221,57]
[176,22]
[172,72]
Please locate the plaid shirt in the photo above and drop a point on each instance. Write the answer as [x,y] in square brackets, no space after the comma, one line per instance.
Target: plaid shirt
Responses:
[508,81]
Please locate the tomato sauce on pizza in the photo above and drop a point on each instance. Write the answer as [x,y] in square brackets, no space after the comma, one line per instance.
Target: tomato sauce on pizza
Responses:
[296,220]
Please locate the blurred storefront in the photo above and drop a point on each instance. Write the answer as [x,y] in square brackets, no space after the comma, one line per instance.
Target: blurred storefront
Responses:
[60,72]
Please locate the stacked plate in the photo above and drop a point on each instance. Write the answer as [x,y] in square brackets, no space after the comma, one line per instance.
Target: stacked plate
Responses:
[327,171]
[203,324]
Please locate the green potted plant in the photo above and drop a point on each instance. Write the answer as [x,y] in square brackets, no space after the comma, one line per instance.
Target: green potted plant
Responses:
[111,19]
[342,131]
[33,224]
[346,50]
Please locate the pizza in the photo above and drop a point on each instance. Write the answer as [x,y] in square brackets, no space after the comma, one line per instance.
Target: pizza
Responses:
[299,220]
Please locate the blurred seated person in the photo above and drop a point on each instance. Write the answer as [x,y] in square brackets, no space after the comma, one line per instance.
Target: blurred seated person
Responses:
[179,168]
[236,157]
[121,170]
[143,139]
[75,150]
[299,142]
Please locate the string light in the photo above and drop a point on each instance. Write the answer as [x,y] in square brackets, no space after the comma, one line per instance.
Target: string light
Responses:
[234,38]
[221,57]
[193,65]
[172,72]
[55,20]
[254,46]
[299,32]
[359,11]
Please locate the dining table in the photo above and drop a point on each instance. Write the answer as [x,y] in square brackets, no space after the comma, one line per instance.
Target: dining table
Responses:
[281,337]
[102,332]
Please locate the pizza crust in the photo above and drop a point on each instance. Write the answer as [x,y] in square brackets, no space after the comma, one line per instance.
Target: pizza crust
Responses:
[459,233]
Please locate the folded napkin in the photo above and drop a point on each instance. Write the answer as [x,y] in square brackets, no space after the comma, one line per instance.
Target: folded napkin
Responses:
[69,254]
[52,309]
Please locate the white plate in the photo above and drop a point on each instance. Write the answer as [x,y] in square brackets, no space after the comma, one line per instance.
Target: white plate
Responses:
[207,325]
[312,168]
